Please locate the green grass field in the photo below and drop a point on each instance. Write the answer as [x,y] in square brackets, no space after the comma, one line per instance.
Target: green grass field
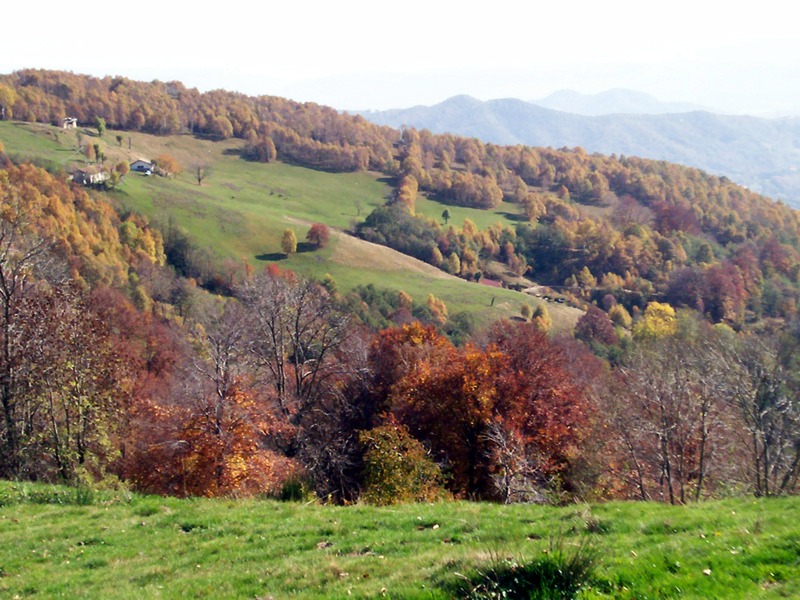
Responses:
[61,542]
[241,210]
[506,213]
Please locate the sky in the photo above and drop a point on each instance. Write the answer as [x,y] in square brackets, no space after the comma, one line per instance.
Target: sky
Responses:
[354,54]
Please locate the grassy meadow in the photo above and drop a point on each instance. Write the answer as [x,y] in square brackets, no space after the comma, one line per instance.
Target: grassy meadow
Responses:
[241,210]
[62,542]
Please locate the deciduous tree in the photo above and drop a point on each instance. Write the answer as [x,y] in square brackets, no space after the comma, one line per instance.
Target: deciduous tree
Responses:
[21,249]
[100,125]
[78,386]
[201,172]
[167,164]
[296,330]
[7,98]
[595,326]
[438,309]
[213,432]
[526,312]
[318,235]
[456,400]
[668,410]
[407,193]
[763,392]
[123,168]
[289,242]
[540,400]
[448,401]
[658,321]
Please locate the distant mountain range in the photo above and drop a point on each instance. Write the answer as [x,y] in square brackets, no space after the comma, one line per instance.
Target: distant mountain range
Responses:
[762,154]
[610,102]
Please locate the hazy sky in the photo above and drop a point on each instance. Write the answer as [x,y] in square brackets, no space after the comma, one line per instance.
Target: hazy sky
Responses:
[361,54]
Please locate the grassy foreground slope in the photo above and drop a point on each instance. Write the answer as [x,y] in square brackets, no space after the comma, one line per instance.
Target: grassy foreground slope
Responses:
[72,543]
[241,210]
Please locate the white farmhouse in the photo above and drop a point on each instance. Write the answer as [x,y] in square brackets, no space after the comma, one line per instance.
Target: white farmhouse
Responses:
[142,166]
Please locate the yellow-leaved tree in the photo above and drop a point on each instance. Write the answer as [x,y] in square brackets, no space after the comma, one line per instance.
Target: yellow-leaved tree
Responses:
[289,242]
[658,321]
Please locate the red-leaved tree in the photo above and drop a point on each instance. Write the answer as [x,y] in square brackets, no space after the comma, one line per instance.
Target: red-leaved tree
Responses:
[319,234]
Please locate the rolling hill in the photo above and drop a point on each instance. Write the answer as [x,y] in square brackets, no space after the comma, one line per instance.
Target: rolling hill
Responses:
[242,209]
[597,225]
[761,154]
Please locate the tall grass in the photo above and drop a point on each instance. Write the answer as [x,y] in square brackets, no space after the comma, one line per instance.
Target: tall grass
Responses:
[559,573]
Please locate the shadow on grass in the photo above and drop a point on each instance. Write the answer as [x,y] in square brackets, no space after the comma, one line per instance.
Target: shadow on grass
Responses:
[302,247]
[305,247]
[512,216]
[272,256]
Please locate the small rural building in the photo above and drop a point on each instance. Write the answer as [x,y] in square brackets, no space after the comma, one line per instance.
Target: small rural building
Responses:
[90,175]
[70,123]
[141,166]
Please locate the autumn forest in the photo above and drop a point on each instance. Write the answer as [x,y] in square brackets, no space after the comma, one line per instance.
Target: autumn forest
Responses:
[131,356]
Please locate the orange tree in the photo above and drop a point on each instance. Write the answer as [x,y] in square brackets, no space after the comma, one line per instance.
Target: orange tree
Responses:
[485,412]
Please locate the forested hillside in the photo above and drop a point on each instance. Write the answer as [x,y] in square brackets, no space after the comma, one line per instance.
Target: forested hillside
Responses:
[680,381]
[634,229]
[761,154]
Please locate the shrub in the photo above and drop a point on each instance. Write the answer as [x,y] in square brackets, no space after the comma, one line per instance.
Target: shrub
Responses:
[619,316]
[526,311]
[296,489]
[397,468]
[541,317]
